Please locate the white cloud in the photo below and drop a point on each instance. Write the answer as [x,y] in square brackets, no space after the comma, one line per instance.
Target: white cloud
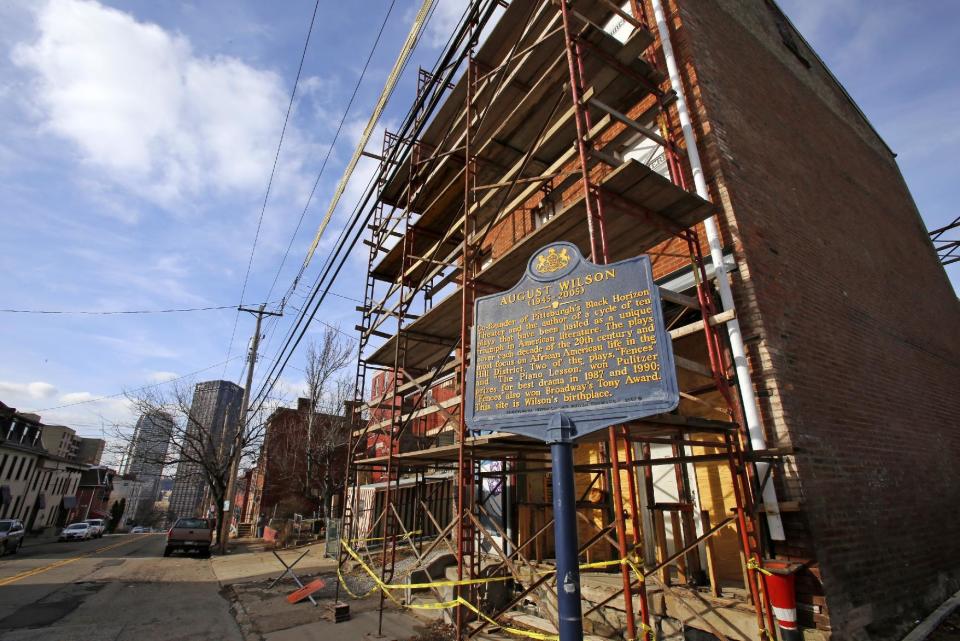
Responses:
[143,108]
[288,390]
[162,377]
[137,345]
[446,17]
[36,390]
[85,411]
[76,397]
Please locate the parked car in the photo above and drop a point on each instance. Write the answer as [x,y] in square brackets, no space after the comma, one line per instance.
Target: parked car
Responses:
[141,530]
[76,532]
[97,527]
[190,534]
[11,536]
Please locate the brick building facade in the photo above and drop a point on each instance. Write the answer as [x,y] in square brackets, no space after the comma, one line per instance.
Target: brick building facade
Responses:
[290,482]
[849,310]
[845,304]
[849,321]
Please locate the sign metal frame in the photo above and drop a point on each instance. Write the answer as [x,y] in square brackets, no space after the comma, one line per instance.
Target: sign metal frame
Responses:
[545,268]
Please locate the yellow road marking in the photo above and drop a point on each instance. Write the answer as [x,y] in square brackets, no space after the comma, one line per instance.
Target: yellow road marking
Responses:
[57,564]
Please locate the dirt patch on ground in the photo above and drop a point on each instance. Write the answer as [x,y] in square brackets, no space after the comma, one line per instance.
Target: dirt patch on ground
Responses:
[435,631]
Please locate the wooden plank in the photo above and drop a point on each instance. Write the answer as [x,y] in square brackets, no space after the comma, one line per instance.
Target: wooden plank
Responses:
[693,328]
[660,531]
[711,555]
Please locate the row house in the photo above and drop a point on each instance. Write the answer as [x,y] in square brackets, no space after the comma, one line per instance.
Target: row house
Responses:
[40,469]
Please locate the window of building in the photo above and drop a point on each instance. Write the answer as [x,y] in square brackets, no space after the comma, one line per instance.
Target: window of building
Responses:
[649,152]
[13,464]
[543,212]
[46,485]
[486,257]
[618,27]
[26,472]
[20,468]
[3,463]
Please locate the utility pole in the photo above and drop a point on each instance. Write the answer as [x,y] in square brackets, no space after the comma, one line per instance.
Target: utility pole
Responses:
[227,507]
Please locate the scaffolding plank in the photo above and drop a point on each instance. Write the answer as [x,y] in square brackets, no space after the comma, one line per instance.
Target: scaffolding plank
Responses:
[501,142]
[634,181]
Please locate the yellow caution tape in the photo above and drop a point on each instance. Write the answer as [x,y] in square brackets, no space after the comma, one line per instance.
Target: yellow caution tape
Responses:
[460,601]
[418,586]
[382,538]
[647,629]
[385,587]
[343,582]
[605,564]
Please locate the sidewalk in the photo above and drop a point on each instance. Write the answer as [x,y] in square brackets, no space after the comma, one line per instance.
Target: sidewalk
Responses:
[264,613]
[252,560]
[42,539]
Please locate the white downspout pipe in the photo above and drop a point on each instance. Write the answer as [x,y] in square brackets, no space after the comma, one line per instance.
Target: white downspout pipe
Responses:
[744,383]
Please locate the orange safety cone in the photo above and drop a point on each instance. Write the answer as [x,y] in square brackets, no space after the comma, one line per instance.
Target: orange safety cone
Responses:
[779,578]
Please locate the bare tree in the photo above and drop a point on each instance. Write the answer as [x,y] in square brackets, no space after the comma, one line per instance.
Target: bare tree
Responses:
[324,361]
[330,446]
[201,452]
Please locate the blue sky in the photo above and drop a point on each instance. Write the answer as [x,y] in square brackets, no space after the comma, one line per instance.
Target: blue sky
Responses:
[136,139]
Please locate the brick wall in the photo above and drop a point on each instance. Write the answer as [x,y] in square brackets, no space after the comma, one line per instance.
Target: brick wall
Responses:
[857,346]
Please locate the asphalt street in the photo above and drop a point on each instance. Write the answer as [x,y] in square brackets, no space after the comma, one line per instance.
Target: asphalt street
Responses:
[117,588]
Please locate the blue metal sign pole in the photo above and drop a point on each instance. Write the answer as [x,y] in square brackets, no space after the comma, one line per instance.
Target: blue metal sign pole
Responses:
[560,436]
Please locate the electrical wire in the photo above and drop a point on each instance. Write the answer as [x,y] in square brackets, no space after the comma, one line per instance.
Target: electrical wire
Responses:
[419,22]
[294,286]
[114,312]
[138,389]
[329,271]
[273,172]
[326,158]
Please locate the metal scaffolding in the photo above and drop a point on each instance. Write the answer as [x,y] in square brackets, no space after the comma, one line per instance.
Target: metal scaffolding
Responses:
[526,147]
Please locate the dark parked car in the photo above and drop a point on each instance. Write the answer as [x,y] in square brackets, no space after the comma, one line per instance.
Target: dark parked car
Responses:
[11,536]
[190,534]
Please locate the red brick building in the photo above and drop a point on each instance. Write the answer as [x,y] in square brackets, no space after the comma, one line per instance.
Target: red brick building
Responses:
[852,322]
[300,468]
[849,321]
[93,495]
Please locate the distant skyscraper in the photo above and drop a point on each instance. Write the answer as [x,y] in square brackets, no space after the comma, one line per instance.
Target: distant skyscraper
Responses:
[214,414]
[148,452]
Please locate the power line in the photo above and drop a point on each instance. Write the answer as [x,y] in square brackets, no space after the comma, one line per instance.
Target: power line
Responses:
[335,261]
[326,157]
[113,312]
[419,23]
[338,245]
[138,389]
[141,311]
[273,172]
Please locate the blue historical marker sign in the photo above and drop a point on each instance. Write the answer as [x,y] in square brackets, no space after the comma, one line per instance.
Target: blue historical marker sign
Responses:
[571,338]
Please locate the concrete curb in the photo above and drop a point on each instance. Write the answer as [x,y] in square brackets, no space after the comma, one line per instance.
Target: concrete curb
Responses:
[930,624]
[240,614]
